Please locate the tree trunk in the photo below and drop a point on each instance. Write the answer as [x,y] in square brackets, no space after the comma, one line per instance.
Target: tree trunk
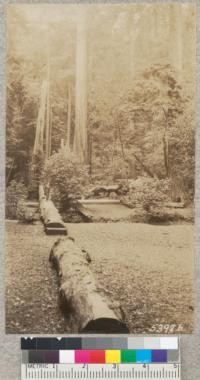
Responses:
[40,127]
[10,172]
[143,166]
[51,218]
[90,153]
[133,33]
[69,107]
[122,146]
[88,306]
[175,36]
[80,138]
[166,152]
[47,140]
[47,152]
[166,144]
[50,129]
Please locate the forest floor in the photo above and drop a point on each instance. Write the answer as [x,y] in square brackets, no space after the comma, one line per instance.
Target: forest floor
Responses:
[99,213]
[148,269]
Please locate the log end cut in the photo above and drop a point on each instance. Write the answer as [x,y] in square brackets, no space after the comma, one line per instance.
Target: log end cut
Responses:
[105,326]
[55,229]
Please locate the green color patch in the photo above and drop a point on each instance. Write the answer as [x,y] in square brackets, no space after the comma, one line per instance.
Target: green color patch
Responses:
[128,356]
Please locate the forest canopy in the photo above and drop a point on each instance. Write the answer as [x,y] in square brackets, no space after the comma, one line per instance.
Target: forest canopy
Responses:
[120,84]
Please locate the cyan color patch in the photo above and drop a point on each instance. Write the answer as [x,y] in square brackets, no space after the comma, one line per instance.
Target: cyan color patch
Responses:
[143,356]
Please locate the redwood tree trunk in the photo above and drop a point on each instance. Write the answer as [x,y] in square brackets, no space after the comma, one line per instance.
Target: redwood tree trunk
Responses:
[166,143]
[69,107]
[175,36]
[80,138]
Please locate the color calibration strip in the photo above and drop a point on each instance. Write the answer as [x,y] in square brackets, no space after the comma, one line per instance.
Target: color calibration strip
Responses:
[99,356]
[101,343]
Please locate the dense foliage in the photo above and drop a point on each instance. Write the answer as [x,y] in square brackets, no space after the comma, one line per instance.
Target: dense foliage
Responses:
[140,111]
[146,192]
[16,193]
[66,177]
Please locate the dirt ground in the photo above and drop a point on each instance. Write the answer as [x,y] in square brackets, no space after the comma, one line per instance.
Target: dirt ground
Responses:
[148,269]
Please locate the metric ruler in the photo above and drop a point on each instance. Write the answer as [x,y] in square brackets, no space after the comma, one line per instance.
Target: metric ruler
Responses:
[102,358]
[100,372]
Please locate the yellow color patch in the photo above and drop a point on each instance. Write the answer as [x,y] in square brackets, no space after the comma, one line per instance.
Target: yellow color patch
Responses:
[113,356]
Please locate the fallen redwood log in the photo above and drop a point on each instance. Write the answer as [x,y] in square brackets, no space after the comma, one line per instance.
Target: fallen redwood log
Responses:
[90,310]
[98,189]
[41,193]
[174,205]
[98,201]
[51,218]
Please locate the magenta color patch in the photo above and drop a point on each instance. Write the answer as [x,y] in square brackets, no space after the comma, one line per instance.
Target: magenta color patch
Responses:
[82,356]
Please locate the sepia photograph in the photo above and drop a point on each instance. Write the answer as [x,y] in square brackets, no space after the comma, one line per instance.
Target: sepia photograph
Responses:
[100,168]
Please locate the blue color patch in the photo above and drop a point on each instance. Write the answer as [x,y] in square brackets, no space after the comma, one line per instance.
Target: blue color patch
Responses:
[143,356]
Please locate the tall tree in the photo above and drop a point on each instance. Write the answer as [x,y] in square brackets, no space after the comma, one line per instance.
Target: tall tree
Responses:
[81,138]
[175,36]
[69,107]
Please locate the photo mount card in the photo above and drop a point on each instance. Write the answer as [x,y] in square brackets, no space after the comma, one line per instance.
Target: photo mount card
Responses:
[100,137]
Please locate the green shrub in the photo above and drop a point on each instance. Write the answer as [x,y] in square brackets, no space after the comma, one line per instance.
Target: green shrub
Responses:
[15,193]
[66,177]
